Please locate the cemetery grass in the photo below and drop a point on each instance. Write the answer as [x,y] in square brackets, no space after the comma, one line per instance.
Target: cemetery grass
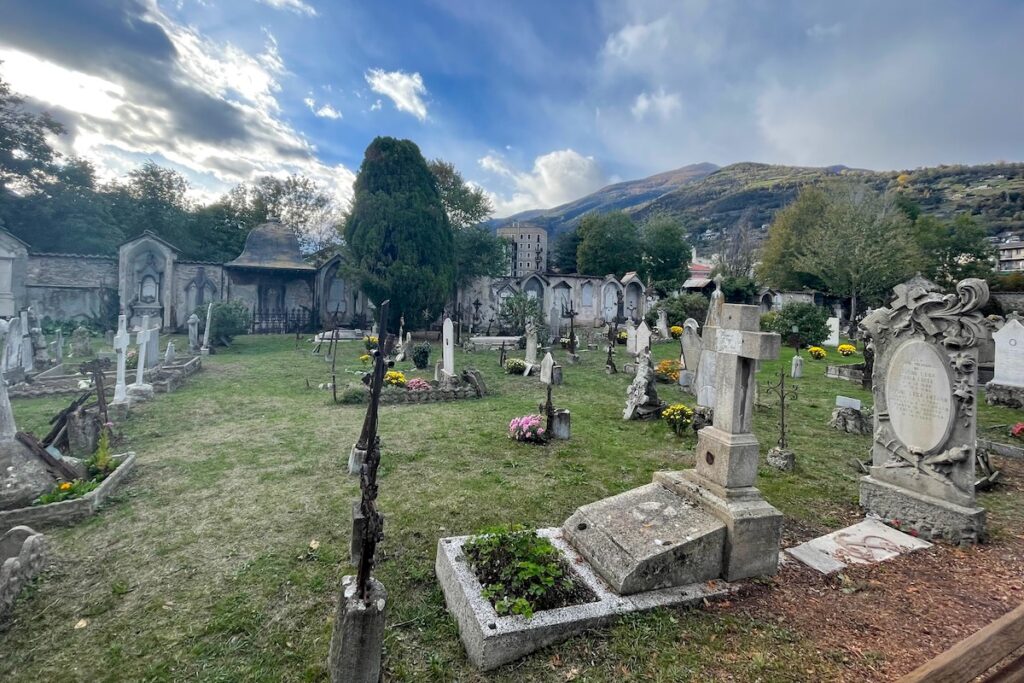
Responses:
[221,558]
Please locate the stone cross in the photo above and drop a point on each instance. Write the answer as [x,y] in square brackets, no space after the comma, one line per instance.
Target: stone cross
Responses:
[727,451]
[121,341]
[193,333]
[643,338]
[142,338]
[448,347]
[206,333]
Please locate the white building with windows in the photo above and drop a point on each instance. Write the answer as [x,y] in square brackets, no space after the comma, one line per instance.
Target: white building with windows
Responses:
[529,248]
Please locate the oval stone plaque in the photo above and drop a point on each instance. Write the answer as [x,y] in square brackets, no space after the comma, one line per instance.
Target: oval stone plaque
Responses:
[919,396]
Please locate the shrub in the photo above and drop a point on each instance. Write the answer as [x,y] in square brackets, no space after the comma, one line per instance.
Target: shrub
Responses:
[817,353]
[769,323]
[101,463]
[679,416]
[516,309]
[371,342]
[394,378]
[679,308]
[521,573]
[228,319]
[846,349]
[67,490]
[667,371]
[417,384]
[515,366]
[352,396]
[811,322]
[676,331]
[421,355]
[527,429]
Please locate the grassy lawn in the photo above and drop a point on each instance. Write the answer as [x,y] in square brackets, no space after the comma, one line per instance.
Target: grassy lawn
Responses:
[201,568]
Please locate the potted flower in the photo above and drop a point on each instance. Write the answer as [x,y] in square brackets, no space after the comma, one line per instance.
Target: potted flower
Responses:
[676,331]
[394,378]
[846,349]
[816,352]
[679,416]
[527,429]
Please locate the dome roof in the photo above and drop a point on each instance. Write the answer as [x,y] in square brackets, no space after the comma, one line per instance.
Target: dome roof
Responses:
[271,245]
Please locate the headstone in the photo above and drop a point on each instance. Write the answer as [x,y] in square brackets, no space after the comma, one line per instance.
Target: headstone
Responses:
[631,348]
[691,351]
[531,343]
[169,354]
[707,369]
[555,321]
[121,342]
[12,350]
[925,410]
[546,366]
[153,348]
[193,333]
[58,347]
[561,427]
[81,343]
[1007,384]
[833,332]
[27,355]
[847,402]
[867,542]
[206,332]
[643,338]
[663,324]
[796,367]
[642,402]
[108,337]
[448,347]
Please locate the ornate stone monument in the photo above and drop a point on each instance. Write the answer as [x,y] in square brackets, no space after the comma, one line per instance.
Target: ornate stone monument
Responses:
[642,402]
[1007,385]
[925,396]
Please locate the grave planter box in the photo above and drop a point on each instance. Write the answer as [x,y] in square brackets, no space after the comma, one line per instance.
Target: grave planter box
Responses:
[70,511]
[492,640]
[851,373]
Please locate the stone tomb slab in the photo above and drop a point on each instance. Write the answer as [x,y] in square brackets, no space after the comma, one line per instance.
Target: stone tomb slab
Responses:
[867,542]
[492,640]
[648,538]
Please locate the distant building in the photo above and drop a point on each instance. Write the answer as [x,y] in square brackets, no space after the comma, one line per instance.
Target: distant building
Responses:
[1011,257]
[529,248]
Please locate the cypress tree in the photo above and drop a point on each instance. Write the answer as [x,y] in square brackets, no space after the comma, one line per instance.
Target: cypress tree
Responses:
[398,236]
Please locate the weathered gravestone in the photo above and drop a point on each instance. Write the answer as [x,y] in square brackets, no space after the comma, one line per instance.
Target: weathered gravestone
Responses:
[833,332]
[691,351]
[447,352]
[58,347]
[707,370]
[27,355]
[81,343]
[205,350]
[925,401]
[643,338]
[531,346]
[558,419]
[139,390]
[847,417]
[169,355]
[631,338]
[153,347]
[796,367]
[694,526]
[193,333]
[642,402]
[1007,385]
[12,370]
[663,324]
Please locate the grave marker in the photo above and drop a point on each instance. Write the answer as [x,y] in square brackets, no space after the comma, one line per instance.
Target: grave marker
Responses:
[1007,384]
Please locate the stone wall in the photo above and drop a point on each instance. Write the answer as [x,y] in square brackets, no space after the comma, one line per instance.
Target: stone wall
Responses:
[67,286]
[1010,301]
[185,296]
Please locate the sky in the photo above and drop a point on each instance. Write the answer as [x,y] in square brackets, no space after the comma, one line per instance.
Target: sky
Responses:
[537,102]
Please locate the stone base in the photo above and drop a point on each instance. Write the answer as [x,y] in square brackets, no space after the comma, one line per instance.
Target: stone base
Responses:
[491,640]
[851,421]
[118,411]
[140,392]
[781,459]
[358,638]
[1004,395]
[932,518]
[556,375]
[560,425]
[204,351]
[753,527]
[356,458]
[647,538]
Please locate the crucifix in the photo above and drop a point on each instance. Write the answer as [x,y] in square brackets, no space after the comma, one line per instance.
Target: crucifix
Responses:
[121,341]
[96,368]
[373,523]
[503,355]
[547,367]
[613,339]
[570,312]
[476,316]
[780,390]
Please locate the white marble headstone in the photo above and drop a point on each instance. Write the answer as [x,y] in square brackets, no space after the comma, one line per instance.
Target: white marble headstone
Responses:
[643,338]
[630,338]
[448,347]
[833,332]
[847,402]
[546,367]
[1009,366]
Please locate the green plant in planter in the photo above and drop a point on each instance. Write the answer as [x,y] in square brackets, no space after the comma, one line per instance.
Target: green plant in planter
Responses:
[421,355]
[522,573]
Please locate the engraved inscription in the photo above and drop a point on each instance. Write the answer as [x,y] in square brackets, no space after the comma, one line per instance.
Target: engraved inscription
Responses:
[919,396]
[729,341]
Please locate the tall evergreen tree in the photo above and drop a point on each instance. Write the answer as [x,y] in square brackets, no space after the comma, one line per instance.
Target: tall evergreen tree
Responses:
[609,243]
[397,233]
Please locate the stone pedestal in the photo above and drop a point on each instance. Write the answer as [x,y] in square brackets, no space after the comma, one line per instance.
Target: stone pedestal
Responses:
[358,637]
[932,518]
[140,392]
[560,427]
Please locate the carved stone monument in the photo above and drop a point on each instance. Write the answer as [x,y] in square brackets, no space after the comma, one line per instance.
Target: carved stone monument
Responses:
[1007,385]
[193,333]
[691,346]
[663,324]
[925,396]
[642,402]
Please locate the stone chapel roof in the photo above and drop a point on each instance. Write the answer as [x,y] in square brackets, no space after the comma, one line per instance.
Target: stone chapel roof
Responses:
[271,245]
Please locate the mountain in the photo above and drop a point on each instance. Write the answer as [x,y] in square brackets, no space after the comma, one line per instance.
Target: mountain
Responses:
[710,199]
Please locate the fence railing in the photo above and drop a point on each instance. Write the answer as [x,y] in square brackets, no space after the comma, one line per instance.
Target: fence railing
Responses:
[281,322]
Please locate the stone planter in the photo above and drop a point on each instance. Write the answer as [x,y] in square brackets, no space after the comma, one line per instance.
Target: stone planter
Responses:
[70,511]
[492,640]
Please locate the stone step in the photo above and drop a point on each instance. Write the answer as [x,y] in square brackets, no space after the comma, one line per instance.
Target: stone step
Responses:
[647,538]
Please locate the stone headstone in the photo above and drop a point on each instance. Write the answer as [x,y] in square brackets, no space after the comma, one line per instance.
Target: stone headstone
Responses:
[12,349]
[153,348]
[642,402]
[643,338]
[81,343]
[193,333]
[27,354]
[847,402]
[925,407]
[796,367]
[546,366]
[531,343]
[108,337]
[58,347]
[448,347]
[690,358]
[206,333]
[1007,384]
[663,324]
[833,332]
[121,342]
[631,347]
[867,542]
[169,355]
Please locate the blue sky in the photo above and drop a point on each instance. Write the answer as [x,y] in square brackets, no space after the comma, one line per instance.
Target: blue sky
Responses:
[537,102]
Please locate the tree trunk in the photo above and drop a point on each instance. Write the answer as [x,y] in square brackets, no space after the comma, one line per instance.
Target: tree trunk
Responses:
[853,306]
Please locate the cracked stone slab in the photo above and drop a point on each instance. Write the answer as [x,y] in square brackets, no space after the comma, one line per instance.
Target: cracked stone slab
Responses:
[867,542]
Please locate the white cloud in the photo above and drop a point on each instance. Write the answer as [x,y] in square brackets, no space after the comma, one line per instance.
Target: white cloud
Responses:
[404,89]
[824,32]
[634,39]
[556,178]
[376,106]
[297,6]
[324,111]
[661,104]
